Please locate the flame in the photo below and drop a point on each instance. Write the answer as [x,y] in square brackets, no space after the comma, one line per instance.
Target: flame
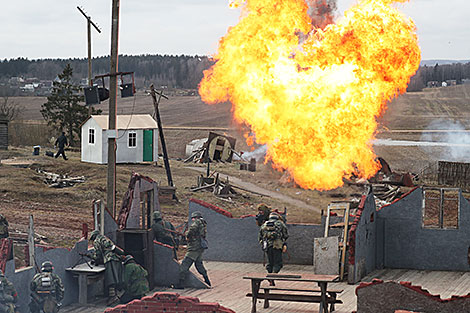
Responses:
[313,95]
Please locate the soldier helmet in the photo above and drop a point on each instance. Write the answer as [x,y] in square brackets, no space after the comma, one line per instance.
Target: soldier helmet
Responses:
[94,234]
[157,216]
[128,259]
[263,207]
[47,266]
[196,214]
[274,215]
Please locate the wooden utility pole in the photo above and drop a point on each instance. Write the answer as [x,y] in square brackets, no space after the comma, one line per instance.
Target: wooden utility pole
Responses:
[89,24]
[112,132]
[156,113]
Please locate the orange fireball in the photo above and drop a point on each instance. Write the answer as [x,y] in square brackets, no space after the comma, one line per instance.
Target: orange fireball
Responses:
[313,95]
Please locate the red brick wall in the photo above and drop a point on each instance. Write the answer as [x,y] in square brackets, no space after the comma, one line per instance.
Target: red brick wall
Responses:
[169,302]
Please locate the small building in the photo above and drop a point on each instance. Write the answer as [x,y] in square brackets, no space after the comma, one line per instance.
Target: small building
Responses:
[136,139]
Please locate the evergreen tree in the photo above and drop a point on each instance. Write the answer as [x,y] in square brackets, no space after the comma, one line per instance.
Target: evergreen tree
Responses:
[63,110]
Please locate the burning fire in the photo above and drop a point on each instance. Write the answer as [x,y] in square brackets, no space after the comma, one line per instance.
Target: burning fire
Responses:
[313,95]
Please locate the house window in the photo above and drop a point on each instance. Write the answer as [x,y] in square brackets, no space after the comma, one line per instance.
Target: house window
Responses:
[441,208]
[91,136]
[132,139]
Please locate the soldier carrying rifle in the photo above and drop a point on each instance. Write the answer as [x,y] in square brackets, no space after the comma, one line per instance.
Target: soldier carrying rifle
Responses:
[47,290]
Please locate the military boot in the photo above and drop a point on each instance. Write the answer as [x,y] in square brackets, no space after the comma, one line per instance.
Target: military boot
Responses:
[206,280]
[112,297]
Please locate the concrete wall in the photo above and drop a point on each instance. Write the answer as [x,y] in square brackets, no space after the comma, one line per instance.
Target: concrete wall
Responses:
[365,240]
[236,239]
[404,243]
[388,297]
[61,258]
[92,152]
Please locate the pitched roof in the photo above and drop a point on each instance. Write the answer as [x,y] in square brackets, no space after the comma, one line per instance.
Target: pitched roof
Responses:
[136,121]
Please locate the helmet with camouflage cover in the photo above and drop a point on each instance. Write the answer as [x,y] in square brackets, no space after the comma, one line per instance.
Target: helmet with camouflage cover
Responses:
[94,234]
[47,266]
[263,208]
[196,214]
[128,259]
[157,216]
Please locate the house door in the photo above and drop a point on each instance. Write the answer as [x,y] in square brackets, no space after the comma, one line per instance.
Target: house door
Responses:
[148,145]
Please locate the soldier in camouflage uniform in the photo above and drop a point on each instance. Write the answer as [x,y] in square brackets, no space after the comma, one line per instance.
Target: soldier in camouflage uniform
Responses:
[272,236]
[107,253]
[196,236]
[8,295]
[47,290]
[162,230]
[134,280]
[3,227]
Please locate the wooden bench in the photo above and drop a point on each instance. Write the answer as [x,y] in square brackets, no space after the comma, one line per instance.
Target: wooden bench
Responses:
[324,297]
[332,293]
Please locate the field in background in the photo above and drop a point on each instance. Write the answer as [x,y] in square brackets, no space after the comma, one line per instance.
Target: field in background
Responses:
[59,213]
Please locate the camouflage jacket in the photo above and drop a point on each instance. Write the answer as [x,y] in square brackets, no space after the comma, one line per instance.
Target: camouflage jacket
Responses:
[105,250]
[195,232]
[274,232]
[134,279]
[7,291]
[161,233]
[3,227]
[47,283]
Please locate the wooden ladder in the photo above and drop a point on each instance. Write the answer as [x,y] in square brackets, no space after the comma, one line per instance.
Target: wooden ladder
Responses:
[342,208]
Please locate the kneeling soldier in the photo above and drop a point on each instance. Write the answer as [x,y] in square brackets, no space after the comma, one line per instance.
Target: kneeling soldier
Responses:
[7,295]
[107,253]
[46,290]
[134,280]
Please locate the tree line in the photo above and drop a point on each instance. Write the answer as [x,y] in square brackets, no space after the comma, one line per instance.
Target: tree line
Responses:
[181,71]
[162,70]
[439,73]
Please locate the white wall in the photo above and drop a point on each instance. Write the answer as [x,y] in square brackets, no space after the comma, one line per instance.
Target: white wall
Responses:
[92,152]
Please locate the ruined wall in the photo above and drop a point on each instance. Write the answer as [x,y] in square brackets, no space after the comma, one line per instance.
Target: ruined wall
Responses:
[61,258]
[404,243]
[362,240]
[166,269]
[236,239]
[388,297]
[169,302]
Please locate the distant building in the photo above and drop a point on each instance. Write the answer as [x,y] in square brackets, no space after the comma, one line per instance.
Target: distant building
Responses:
[432,83]
[465,81]
[451,82]
[136,139]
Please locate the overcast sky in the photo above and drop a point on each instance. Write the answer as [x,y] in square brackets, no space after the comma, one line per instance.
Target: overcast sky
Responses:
[55,28]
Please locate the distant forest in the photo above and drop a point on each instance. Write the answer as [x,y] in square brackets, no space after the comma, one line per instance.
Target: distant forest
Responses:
[162,70]
[182,71]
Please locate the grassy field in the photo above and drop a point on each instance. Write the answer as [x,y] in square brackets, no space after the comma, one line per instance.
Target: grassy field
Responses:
[59,213]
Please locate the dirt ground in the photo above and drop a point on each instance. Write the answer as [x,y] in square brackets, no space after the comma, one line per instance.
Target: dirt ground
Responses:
[59,213]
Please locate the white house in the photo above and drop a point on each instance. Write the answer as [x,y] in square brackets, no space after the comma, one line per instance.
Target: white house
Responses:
[136,139]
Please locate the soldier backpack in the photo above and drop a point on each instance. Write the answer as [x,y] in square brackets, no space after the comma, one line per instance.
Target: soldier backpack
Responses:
[272,231]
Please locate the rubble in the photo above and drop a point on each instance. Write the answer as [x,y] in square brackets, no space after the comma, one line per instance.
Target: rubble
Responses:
[60,181]
[215,185]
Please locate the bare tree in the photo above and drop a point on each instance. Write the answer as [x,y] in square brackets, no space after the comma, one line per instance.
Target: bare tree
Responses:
[10,109]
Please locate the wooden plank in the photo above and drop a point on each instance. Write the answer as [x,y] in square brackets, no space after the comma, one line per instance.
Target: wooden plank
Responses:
[293,298]
[302,290]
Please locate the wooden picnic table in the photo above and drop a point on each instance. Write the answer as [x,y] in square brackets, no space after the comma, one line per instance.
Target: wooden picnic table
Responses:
[321,280]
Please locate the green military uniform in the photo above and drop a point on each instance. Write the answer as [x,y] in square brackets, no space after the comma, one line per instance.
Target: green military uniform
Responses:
[160,230]
[272,236]
[107,253]
[3,227]
[134,280]
[47,290]
[195,235]
[8,295]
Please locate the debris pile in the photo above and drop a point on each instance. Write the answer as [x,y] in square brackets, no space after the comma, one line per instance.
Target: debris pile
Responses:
[216,147]
[60,181]
[218,187]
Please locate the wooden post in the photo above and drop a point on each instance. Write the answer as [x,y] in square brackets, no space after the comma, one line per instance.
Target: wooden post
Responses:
[156,103]
[112,132]
[32,258]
